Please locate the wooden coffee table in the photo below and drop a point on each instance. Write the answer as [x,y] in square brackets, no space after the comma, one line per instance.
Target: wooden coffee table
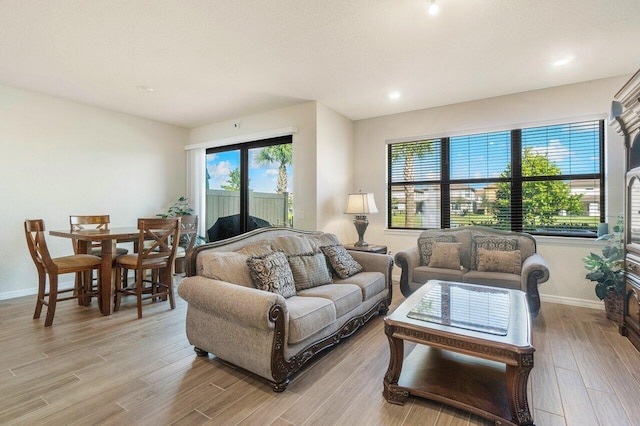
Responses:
[474,350]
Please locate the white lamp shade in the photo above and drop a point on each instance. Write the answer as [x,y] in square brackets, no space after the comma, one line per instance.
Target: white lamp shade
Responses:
[361,203]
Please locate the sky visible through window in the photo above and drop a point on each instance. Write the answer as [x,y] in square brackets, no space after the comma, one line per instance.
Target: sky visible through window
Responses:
[573,148]
[261,178]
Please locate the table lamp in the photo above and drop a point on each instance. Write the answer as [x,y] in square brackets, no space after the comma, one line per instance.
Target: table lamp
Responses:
[361,204]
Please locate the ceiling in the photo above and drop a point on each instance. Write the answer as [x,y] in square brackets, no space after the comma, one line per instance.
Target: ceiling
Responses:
[216,60]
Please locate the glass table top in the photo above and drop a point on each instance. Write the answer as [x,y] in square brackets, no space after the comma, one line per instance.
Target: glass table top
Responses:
[465,306]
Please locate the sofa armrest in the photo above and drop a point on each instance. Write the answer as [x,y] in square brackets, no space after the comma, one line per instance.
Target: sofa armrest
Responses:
[372,262]
[536,267]
[408,260]
[243,305]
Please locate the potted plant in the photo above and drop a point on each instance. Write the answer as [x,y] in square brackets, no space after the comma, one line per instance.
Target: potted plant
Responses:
[179,208]
[607,272]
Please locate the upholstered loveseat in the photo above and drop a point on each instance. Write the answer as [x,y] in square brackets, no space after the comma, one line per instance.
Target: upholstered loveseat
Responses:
[274,330]
[478,255]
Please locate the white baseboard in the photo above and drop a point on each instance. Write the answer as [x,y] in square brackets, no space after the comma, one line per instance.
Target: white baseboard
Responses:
[32,291]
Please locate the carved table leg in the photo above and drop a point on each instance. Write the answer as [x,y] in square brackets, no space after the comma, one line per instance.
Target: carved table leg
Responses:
[516,378]
[391,392]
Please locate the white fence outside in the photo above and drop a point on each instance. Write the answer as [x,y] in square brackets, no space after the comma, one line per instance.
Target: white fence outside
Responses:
[271,207]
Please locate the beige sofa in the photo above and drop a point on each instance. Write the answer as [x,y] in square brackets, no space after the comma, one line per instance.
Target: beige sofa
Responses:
[498,266]
[264,332]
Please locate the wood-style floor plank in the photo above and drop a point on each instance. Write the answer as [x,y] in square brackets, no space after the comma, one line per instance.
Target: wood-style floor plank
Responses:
[90,369]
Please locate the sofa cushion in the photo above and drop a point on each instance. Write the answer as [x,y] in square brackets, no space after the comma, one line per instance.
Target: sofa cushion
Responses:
[425,246]
[324,239]
[257,249]
[345,297]
[445,255]
[309,270]
[370,283]
[422,274]
[292,244]
[308,315]
[496,279]
[228,266]
[341,261]
[491,242]
[499,261]
[271,272]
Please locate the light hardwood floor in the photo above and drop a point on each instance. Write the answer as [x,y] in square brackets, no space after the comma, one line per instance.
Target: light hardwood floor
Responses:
[118,370]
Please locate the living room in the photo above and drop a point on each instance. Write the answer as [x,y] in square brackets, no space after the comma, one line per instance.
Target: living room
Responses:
[68,149]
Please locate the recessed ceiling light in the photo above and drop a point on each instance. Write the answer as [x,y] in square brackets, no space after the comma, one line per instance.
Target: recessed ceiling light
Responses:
[432,7]
[145,88]
[394,95]
[563,61]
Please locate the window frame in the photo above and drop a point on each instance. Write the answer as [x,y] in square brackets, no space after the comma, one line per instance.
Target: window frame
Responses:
[445,183]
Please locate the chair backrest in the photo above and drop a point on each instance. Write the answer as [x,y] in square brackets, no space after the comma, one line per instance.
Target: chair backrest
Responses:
[188,231]
[34,231]
[79,223]
[96,221]
[159,239]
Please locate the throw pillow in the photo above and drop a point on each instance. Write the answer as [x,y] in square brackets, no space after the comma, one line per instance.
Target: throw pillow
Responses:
[491,242]
[445,255]
[271,272]
[309,270]
[341,261]
[425,246]
[499,261]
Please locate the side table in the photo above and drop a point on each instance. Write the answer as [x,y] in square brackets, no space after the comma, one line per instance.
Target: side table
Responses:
[371,248]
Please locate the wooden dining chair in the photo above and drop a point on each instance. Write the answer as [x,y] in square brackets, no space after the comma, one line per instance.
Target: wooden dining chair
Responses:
[100,222]
[188,237]
[162,237]
[54,267]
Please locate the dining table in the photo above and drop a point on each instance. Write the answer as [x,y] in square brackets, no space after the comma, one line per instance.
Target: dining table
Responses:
[108,239]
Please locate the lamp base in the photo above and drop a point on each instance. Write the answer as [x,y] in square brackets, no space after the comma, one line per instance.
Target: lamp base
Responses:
[361,222]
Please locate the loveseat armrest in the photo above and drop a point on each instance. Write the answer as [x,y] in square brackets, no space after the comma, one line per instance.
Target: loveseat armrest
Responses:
[373,262]
[242,305]
[408,260]
[535,271]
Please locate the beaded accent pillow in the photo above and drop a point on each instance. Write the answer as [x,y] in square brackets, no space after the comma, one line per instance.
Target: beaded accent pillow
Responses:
[445,255]
[499,261]
[309,270]
[490,242]
[271,272]
[425,246]
[341,261]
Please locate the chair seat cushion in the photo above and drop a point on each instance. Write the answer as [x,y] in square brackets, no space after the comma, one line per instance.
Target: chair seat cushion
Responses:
[426,273]
[308,315]
[496,279]
[119,251]
[76,261]
[130,261]
[370,283]
[344,296]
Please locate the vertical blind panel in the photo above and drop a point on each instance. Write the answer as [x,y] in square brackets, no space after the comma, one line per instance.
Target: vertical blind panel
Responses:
[564,149]
[415,161]
[481,156]
[415,206]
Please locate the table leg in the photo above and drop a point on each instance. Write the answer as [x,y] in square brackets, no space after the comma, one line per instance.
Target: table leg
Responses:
[106,275]
[391,392]
[517,377]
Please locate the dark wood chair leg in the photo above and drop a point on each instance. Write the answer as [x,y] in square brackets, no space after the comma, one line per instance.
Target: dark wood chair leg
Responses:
[42,281]
[53,298]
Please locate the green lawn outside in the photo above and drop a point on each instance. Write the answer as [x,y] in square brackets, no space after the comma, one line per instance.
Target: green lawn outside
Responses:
[398,220]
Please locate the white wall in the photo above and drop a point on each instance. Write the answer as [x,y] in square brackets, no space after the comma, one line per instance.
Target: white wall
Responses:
[334,172]
[61,158]
[564,103]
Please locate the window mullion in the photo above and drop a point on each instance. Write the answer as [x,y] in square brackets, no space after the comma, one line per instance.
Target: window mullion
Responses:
[445,187]
[516,180]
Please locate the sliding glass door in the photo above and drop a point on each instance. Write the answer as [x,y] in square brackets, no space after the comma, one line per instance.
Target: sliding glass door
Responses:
[249,187]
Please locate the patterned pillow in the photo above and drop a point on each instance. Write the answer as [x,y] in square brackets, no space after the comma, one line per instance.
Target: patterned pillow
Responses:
[309,270]
[491,242]
[499,261]
[341,261]
[425,246]
[271,272]
[445,255]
